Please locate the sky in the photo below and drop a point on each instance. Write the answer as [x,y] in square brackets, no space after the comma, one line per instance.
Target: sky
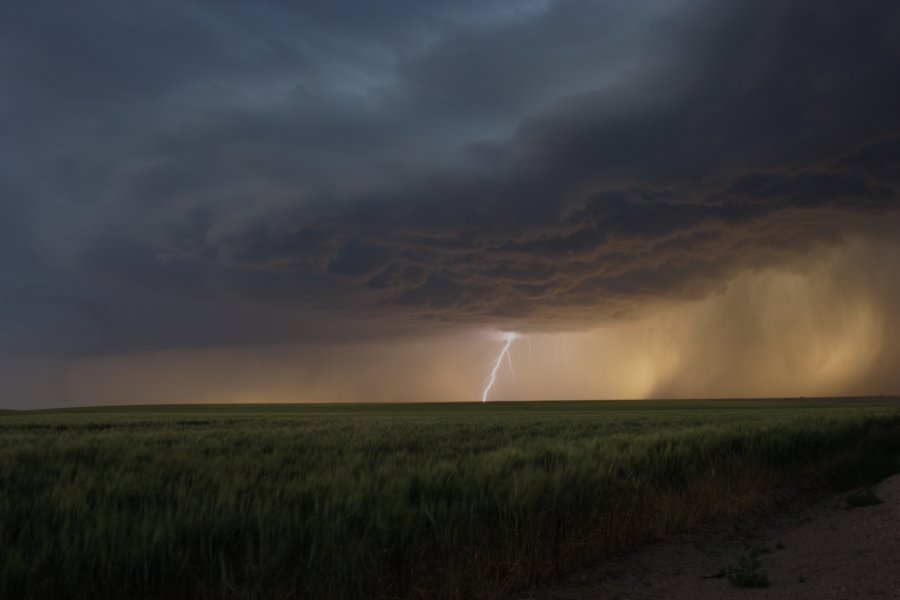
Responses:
[267,201]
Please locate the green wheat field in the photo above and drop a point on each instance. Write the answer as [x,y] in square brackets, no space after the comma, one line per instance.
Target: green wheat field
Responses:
[394,501]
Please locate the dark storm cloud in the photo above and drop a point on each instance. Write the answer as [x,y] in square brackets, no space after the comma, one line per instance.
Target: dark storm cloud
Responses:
[224,173]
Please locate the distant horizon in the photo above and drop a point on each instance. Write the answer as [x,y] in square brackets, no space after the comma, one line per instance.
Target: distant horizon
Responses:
[425,404]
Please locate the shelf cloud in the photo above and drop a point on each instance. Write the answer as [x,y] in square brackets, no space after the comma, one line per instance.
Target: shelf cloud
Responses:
[183,176]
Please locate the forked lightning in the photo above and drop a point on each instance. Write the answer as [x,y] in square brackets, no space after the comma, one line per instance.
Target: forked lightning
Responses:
[508,337]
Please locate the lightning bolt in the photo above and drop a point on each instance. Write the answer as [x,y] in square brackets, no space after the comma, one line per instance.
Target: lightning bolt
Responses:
[508,337]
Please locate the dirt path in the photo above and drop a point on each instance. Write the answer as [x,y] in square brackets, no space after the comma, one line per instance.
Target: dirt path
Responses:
[821,552]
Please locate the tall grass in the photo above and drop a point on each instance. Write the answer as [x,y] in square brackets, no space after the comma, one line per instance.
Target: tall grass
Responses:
[357,503]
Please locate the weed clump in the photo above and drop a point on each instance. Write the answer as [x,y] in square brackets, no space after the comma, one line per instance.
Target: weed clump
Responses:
[748,572]
[863,497]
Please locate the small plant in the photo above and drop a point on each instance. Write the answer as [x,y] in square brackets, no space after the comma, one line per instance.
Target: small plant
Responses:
[748,572]
[761,549]
[863,497]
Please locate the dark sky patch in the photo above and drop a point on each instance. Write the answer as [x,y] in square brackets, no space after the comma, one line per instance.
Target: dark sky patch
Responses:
[188,174]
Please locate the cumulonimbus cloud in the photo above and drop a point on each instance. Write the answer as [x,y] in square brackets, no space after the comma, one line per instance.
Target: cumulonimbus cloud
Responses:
[457,166]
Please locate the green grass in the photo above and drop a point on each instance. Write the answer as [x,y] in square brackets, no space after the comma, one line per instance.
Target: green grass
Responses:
[356,501]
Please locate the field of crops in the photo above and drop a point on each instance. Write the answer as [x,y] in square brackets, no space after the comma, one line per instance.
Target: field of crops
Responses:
[430,501]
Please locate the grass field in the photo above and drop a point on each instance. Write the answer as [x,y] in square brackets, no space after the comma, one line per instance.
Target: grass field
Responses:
[421,501]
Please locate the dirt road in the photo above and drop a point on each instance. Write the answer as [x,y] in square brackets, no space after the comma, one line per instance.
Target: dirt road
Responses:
[819,552]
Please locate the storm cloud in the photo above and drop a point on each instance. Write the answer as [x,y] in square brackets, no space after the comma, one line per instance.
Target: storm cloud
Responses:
[191,174]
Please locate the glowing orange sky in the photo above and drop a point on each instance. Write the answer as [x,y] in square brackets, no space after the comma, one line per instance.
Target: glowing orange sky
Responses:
[827,328]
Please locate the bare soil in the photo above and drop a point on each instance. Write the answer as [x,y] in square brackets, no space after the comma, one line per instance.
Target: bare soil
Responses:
[822,551]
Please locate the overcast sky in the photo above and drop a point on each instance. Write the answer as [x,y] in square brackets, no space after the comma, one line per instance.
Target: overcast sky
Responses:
[347,200]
